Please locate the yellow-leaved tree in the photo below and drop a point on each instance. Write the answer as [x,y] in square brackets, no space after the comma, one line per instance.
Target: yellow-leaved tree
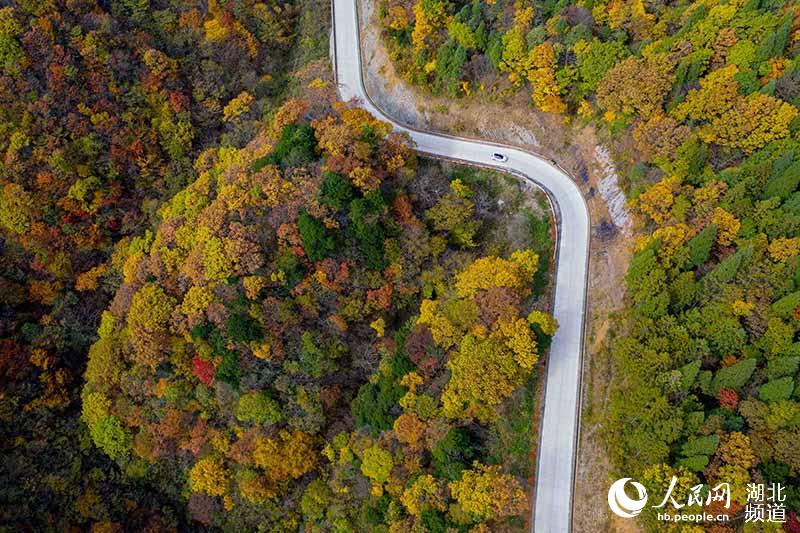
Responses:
[208,476]
[492,347]
[486,493]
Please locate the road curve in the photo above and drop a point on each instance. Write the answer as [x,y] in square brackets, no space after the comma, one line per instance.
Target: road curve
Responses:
[557,443]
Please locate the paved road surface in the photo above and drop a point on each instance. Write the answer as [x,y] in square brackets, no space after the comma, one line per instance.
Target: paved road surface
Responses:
[552,510]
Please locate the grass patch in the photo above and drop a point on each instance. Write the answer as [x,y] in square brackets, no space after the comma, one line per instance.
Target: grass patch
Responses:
[512,439]
[542,244]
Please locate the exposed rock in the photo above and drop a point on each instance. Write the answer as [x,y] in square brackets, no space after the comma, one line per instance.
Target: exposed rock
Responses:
[610,191]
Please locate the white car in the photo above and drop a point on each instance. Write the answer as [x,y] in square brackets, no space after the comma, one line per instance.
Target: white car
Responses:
[497,156]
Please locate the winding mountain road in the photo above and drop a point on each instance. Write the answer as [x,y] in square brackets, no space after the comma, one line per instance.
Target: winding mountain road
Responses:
[559,427]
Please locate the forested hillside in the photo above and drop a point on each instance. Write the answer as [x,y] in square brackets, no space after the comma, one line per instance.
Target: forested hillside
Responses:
[104,107]
[228,301]
[223,307]
[701,100]
[306,342]
[707,372]
[628,64]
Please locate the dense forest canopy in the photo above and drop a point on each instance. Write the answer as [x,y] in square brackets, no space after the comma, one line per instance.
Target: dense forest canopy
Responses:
[226,307]
[104,107]
[626,63]
[301,342]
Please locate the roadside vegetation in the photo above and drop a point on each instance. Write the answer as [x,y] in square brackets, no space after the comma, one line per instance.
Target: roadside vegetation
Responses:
[704,96]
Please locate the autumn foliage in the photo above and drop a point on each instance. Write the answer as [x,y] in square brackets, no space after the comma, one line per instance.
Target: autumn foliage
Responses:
[698,103]
[237,336]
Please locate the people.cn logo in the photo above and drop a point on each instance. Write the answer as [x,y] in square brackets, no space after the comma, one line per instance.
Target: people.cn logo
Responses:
[621,504]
